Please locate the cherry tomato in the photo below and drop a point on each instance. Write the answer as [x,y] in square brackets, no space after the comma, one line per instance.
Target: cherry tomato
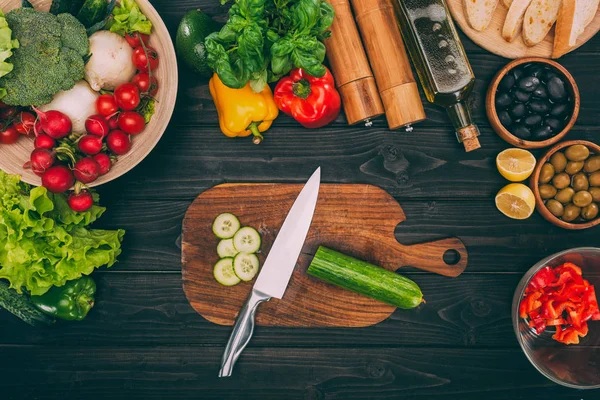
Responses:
[145,83]
[131,122]
[127,96]
[142,62]
[106,105]
[135,39]
[24,123]
[9,135]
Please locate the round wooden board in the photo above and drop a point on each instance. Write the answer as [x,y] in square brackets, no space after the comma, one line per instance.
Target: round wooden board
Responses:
[491,38]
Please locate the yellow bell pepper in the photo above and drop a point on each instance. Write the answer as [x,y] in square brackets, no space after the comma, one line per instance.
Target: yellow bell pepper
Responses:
[243,112]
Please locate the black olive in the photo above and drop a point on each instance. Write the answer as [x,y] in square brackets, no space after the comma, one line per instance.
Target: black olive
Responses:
[539,106]
[517,73]
[518,111]
[542,133]
[549,74]
[540,92]
[554,123]
[556,88]
[533,120]
[521,96]
[505,119]
[529,83]
[503,100]
[522,132]
[507,83]
[559,110]
[535,70]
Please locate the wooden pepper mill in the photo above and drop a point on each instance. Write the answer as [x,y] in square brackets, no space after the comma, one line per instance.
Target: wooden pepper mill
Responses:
[351,70]
[383,42]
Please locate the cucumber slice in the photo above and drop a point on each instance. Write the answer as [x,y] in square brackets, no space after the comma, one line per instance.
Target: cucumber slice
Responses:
[223,272]
[245,266]
[247,240]
[225,225]
[225,248]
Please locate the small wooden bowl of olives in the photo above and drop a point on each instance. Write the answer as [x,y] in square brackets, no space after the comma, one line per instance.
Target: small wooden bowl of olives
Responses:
[532,102]
[566,184]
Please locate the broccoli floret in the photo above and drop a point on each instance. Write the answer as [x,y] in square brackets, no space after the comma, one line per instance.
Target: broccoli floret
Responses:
[49,59]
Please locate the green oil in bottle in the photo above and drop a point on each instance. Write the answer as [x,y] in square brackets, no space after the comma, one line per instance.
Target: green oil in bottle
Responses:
[440,61]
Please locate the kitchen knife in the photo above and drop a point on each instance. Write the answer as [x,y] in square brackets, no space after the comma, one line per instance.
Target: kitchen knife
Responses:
[277,271]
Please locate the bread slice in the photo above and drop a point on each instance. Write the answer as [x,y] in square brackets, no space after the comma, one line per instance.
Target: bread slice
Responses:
[539,18]
[572,19]
[480,12]
[507,3]
[514,19]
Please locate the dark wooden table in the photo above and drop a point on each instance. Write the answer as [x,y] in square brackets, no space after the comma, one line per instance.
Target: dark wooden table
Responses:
[144,341]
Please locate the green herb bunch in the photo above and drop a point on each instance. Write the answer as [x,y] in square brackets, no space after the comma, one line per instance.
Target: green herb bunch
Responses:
[264,39]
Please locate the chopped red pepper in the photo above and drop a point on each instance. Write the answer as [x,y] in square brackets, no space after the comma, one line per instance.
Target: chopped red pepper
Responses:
[562,298]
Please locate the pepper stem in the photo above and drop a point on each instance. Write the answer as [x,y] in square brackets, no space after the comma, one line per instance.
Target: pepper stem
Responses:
[301,89]
[258,137]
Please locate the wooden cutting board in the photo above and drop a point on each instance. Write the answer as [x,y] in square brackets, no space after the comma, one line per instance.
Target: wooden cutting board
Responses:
[358,220]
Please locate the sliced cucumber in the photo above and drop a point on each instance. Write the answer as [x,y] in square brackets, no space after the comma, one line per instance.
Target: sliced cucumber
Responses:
[223,272]
[247,240]
[245,266]
[225,225]
[225,248]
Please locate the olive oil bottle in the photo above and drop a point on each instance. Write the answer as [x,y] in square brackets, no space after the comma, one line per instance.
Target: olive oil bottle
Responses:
[440,60]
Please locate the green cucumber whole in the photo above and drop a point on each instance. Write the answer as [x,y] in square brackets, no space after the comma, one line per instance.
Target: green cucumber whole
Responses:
[364,278]
[22,307]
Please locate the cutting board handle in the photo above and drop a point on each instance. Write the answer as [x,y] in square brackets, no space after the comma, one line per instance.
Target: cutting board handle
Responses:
[446,257]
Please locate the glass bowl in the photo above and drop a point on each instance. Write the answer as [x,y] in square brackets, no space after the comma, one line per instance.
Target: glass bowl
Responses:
[575,366]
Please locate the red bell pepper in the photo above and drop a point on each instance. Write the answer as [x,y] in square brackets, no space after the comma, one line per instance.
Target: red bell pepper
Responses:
[312,101]
[541,279]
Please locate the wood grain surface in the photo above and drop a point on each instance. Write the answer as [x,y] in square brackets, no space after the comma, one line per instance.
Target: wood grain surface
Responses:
[358,220]
[491,38]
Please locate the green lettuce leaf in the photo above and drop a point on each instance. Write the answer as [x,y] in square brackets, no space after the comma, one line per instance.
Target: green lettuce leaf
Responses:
[43,243]
[128,18]
[6,46]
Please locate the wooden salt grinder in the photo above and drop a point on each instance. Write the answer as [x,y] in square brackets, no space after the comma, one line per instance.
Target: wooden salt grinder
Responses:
[383,42]
[350,67]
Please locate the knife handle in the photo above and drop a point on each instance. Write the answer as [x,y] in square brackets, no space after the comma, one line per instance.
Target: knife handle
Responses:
[242,332]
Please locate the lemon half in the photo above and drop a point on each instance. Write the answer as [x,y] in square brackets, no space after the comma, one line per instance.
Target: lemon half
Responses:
[516,165]
[516,201]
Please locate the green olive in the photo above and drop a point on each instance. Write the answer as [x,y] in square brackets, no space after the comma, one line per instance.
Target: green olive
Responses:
[574,167]
[555,208]
[577,152]
[546,173]
[590,212]
[561,181]
[547,191]
[571,213]
[595,179]
[595,192]
[592,164]
[565,196]
[580,182]
[582,199]
[558,161]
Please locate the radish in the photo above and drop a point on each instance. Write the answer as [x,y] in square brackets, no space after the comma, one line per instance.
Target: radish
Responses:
[58,179]
[97,125]
[90,144]
[54,123]
[80,202]
[113,122]
[86,170]
[37,128]
[41,160]
[118,142]
[43,141]
[104,162]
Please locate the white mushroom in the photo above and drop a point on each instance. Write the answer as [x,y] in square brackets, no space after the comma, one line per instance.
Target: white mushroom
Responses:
[110,63]
[77,103]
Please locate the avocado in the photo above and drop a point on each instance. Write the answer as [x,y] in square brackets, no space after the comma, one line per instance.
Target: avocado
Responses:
[193,28]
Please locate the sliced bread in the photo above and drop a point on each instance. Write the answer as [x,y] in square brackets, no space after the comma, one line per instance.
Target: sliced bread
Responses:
[572,19]
[507,3]
[514,19]
[480,12]
[539,18]
[589,11]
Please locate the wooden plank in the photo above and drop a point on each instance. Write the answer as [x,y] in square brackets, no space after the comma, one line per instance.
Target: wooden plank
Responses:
[182,372]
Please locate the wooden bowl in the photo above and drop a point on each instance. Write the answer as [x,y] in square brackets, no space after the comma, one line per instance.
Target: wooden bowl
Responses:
[12,157]
[492,114]
[535,180]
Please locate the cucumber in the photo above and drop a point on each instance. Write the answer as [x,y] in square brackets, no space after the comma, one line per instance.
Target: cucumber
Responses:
[223,272]
[225,225]
[364,278]
[189,41]
[92,12]
[245,266]
[19,305]
[65,6]
[225,248]
[247,240]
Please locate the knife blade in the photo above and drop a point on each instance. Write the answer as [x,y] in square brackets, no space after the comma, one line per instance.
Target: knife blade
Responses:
[275,274]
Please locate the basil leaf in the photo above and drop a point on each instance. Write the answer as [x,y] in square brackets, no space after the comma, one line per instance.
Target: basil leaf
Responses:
[258,81]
